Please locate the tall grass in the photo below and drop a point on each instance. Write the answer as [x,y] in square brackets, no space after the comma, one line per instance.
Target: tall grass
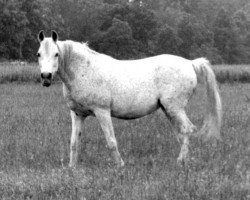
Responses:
[19,72]
[29,72]
[232,73]
[34,152]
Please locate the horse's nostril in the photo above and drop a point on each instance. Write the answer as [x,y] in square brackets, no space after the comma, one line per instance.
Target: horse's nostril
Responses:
[46,75]
[49,76]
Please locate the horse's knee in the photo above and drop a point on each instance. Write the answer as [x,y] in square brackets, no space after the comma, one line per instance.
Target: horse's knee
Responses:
[184,139]
[73,146]
[74,143]
[112,144]
[188,129]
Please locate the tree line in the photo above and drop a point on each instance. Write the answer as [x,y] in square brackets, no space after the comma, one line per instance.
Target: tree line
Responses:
[216,29]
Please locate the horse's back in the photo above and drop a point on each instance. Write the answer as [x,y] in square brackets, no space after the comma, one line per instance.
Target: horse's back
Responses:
[156,73]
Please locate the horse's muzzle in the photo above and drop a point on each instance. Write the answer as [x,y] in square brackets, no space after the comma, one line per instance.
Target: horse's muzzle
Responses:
[46,79]
[46,83]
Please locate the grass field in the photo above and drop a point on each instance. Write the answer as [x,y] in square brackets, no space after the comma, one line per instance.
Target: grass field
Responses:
[35,129]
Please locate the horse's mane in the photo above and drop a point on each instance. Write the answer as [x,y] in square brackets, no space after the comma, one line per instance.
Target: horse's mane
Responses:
[87,48]
[81,47]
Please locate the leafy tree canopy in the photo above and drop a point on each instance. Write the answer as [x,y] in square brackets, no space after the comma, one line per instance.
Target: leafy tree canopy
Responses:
[217,29]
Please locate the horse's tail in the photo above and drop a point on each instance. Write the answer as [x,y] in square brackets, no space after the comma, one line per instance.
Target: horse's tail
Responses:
[205,75]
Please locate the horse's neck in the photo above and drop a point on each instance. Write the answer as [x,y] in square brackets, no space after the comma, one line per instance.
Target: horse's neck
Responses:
[69,68]
[64,71]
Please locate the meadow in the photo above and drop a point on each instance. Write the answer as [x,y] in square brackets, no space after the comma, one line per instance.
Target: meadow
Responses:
[18,71]
[35,129]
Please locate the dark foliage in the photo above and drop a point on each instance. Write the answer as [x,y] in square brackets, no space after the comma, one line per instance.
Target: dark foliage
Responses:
[218,30]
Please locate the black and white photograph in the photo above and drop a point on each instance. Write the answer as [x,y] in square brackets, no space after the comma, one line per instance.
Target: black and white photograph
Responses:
[125,99]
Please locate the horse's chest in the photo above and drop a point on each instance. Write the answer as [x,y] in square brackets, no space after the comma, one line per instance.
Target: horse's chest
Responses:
[85,101]
[76,106]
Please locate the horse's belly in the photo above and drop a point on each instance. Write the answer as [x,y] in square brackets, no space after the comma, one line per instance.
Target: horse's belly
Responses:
[131,109]
[133,113]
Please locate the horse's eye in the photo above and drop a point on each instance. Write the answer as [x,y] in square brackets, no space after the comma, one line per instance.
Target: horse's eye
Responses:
[56,55]
[38,55]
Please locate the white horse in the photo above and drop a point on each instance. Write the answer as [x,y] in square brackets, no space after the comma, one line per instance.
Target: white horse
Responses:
[98,85]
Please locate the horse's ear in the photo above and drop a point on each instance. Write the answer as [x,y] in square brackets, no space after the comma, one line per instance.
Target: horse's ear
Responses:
[40,36]
[54,36]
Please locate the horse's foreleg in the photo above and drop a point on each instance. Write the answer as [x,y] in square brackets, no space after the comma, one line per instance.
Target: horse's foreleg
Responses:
[104,118]
[74,141]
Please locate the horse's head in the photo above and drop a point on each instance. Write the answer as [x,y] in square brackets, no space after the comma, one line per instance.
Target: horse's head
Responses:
[48,57]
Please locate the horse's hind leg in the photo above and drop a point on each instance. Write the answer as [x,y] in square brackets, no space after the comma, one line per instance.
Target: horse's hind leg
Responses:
[183,125]
[104,118]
